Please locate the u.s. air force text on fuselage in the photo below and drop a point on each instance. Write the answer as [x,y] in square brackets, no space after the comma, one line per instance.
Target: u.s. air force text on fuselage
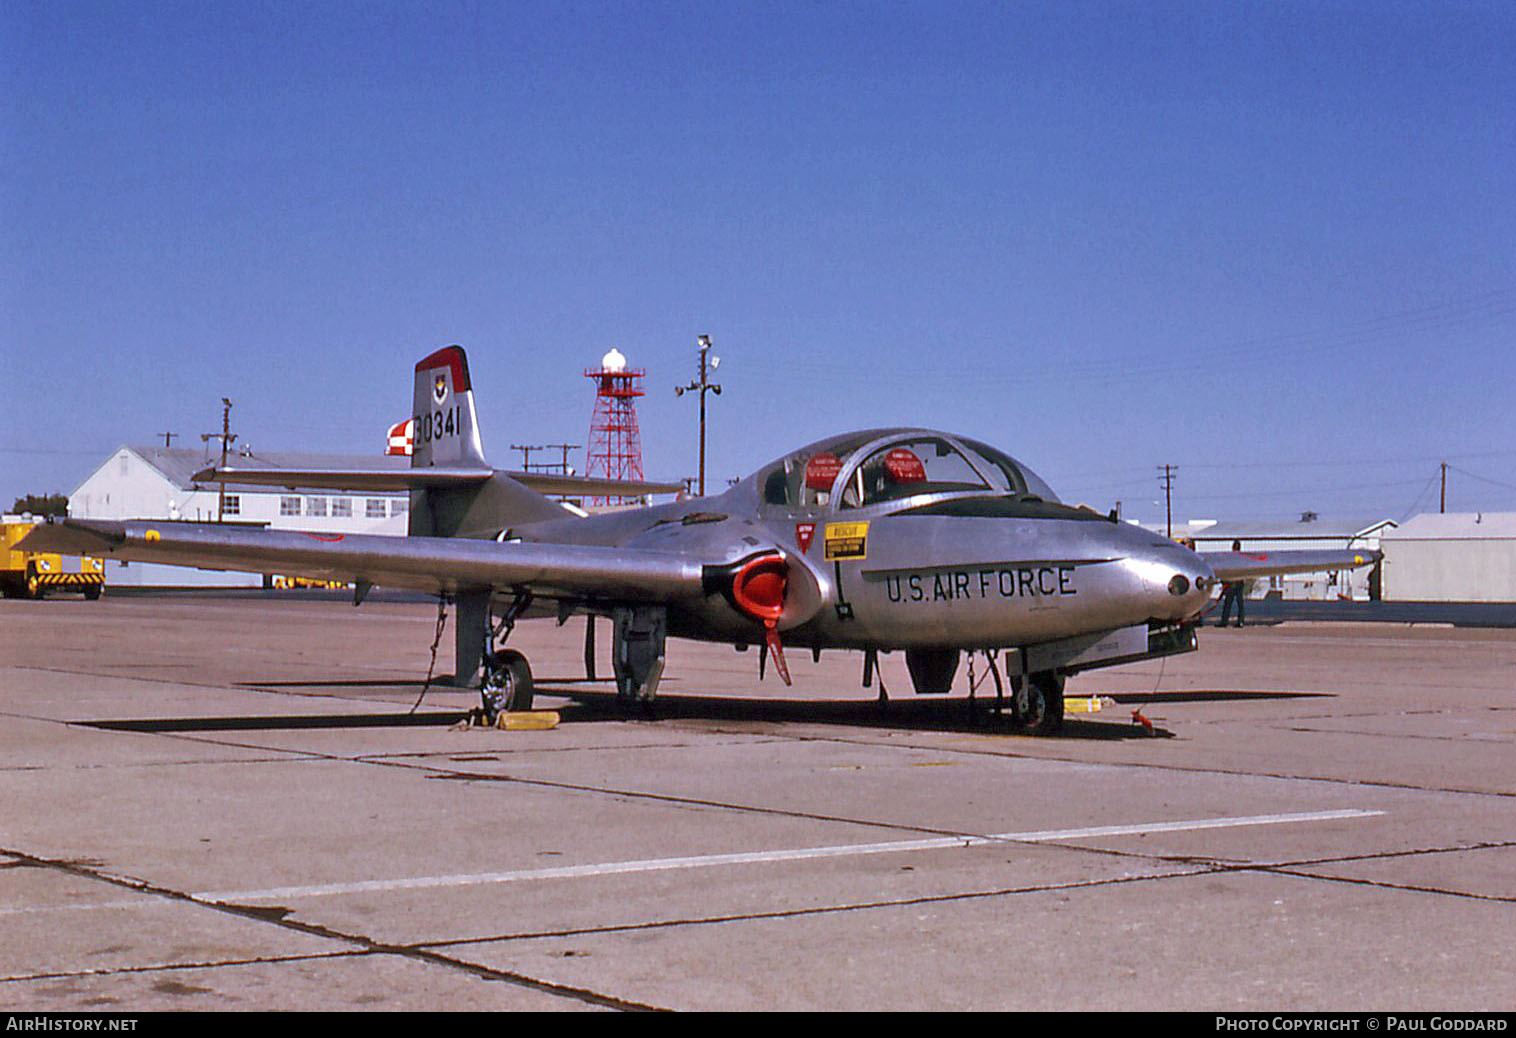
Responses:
[949,585]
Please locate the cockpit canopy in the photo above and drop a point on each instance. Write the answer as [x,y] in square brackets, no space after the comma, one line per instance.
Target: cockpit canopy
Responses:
[860,470]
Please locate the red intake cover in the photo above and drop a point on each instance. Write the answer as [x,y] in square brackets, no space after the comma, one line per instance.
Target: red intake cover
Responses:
[759,587]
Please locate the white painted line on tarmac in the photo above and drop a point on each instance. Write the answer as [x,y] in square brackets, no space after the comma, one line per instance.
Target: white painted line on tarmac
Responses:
[757,857]
[90,906]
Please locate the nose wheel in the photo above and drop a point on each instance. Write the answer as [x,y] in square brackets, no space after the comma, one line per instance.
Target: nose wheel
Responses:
[1037,703]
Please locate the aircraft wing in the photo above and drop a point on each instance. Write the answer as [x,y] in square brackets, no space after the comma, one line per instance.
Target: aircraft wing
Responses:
[430,564]
[379,479]
[1241,565]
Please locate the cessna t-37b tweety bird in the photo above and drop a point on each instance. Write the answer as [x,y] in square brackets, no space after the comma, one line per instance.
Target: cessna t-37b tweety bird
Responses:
[882,540]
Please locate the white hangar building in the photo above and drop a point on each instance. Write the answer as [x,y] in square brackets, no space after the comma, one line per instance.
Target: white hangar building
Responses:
[1453,557]
[157,483]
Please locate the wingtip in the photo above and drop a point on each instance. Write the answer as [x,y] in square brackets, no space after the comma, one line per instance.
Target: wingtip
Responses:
[73,536]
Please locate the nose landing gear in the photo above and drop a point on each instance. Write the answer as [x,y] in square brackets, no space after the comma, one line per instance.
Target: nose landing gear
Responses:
[1037,702]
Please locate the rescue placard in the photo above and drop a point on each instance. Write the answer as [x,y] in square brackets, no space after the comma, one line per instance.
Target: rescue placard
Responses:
[846,541]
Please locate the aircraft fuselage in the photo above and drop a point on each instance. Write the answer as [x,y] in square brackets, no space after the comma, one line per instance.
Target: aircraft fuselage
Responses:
[957,569]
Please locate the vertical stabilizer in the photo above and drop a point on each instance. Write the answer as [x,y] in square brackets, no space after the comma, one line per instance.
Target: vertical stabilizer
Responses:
[446,427]
[445,433]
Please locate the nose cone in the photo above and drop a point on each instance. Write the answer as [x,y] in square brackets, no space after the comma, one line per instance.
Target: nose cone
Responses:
[1178,582]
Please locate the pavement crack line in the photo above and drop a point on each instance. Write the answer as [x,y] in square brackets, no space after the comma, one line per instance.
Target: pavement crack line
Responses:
[170,967]
[362,945]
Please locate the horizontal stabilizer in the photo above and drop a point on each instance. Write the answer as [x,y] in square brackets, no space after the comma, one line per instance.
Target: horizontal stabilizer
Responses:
[1241,565]
[381,479]
[377,479]
[551,483]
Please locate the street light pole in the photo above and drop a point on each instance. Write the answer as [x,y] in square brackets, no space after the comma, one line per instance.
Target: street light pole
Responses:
[708,364]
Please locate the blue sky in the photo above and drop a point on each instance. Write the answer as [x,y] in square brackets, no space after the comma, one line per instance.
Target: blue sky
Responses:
[1272,244]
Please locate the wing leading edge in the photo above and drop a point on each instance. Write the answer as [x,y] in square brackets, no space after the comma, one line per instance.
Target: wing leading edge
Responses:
[422,563]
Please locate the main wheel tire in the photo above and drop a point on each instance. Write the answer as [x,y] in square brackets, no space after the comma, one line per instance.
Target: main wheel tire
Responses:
[1038,703]
[507,685]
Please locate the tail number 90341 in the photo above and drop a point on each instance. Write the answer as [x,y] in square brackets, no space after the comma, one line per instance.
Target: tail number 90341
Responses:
[437,425]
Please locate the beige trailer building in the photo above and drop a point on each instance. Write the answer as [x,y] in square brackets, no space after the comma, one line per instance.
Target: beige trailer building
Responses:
[1456,557]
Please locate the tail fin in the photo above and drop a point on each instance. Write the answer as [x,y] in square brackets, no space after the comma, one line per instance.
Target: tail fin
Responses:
[446,429]
[445,434]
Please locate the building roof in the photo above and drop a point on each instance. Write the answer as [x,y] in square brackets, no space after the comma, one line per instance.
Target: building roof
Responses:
[1457,526]
[1279,530]
[179,464]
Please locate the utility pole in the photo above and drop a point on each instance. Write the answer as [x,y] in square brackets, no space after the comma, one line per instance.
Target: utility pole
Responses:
[226,436]
[168,438]
[1167,481]
[708,364]
[1442,506]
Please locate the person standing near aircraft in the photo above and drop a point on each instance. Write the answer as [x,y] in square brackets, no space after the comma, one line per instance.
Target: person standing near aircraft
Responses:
[1231,594]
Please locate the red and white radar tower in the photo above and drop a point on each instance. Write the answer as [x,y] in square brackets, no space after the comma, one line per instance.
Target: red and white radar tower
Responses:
[615,445]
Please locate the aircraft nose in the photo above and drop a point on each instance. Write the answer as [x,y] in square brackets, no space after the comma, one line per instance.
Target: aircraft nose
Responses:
[1192,584]
[1182,584]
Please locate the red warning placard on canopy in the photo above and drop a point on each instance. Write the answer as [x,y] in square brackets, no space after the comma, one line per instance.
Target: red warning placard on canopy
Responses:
[904,467]
[821,471]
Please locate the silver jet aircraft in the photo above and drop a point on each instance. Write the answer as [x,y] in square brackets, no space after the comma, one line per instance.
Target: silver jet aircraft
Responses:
[882,540]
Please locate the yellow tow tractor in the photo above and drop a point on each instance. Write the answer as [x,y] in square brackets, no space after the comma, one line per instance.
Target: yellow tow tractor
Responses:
[26,574]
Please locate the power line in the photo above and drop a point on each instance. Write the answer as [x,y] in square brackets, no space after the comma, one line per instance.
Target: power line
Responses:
[1482,479]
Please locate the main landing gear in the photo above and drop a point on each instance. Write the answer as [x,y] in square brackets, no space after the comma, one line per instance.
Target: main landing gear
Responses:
[505,677]
[637,654]
[506,684]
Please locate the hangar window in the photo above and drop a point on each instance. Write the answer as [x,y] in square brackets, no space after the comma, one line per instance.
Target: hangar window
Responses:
[342,508]
[315,506]
[375,508]
[289,505]
[233,505]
